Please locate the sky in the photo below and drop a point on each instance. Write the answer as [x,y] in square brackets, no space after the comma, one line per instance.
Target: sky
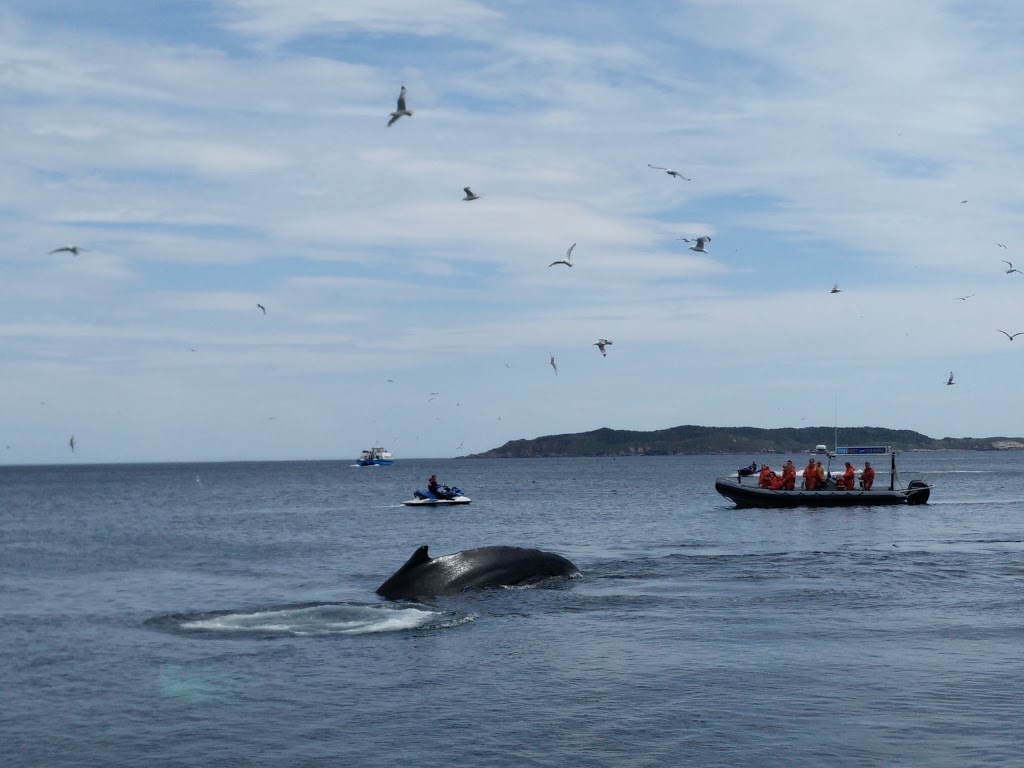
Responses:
[211,155]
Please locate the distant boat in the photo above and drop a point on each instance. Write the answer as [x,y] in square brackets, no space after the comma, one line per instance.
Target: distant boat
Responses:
[375,457]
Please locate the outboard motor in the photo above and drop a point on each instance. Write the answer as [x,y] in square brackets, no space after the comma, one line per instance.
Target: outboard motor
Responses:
[918,492]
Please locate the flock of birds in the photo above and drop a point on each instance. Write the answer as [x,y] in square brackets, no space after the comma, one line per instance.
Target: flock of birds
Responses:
[402,110]
[699,246]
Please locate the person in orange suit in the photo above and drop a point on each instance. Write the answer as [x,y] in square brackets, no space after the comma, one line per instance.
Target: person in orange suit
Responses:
[775,481]
[867,477]
[788,476]
[811,475]
[849,478]
[762,478]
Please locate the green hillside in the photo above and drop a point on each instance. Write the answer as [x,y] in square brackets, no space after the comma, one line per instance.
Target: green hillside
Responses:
[693,440]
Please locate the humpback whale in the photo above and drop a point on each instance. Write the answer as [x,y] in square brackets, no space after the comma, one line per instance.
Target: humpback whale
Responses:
[426,576]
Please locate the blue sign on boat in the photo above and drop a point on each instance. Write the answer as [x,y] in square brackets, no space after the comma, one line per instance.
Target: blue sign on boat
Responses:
[870,449]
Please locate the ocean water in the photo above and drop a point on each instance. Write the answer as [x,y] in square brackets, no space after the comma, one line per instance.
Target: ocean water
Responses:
[224,614]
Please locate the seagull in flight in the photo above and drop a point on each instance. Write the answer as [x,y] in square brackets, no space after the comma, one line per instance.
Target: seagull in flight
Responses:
[74,250]
[962,202]
[1012,268]
[669,171]
[401,111]
[1001,245]
[470,194]
[553,364]
[1009,336]
[950,381]
[568,258]
[836,289]
[701,242]
[264,309]
[71,443]
[962,298]
[601,344]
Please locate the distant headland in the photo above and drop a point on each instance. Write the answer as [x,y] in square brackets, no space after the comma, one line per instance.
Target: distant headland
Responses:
[688,440]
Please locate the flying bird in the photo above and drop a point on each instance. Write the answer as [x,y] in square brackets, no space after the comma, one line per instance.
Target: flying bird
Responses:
[701,242]
[1011,268]
[950,380]
[74,250]
[568,258]
[470,194]
[836,289]
[1009,336]
[669,171]
[71,443]
[553,364]
[264,309]
[963,298]
[962,202]
[601,344]
[1001,245]
[401,111]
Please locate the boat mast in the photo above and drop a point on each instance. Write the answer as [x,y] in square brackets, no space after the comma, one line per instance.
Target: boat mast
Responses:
[835,423]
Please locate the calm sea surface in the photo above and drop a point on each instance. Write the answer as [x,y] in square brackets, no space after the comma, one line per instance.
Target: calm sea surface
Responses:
[224,614]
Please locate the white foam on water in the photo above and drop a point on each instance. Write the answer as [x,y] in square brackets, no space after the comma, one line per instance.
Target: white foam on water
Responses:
[326,619]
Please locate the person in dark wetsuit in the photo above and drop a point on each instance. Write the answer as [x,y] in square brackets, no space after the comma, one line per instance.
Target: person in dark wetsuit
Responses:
[433,486]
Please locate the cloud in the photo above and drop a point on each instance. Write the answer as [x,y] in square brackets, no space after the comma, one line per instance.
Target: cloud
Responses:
[279,21]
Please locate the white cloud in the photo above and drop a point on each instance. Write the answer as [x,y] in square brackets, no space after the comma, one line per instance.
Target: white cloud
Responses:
[280,20]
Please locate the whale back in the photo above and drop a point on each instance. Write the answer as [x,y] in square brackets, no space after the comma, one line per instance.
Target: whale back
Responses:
[424,576]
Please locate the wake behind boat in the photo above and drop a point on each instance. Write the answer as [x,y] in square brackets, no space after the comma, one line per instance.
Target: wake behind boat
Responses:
[831,492]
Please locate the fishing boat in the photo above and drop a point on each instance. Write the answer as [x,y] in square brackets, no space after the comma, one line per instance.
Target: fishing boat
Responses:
[750,494]
[375,457]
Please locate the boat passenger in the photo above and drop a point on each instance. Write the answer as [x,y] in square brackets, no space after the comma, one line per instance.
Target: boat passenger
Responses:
[788,476]
[433,486]
[810,475]
[867,477]
[849,478]
[822,475]
[775,481]
[762,478]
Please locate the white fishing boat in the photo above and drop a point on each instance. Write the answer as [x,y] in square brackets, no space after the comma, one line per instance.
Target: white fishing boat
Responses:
[375,457]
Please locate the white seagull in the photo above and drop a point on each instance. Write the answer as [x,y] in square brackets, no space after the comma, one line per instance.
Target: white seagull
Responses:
[601,344]
[1010,336]
[71,443]
[669,171]
[401,111]
[836,289]
[1012,268]
[568,258]
[950,380]
[262,308]
[963,298]
[470,194]
[701,242]
[74,250]
[553,364]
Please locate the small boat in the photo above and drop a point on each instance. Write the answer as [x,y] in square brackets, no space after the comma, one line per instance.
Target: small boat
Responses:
[375,457]
[750,469]
[448,496]
[753,495]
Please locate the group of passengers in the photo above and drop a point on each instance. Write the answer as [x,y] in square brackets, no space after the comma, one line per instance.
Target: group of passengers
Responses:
[815,477]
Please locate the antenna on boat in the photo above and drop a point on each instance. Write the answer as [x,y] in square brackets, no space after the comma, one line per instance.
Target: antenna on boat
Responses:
[835,422]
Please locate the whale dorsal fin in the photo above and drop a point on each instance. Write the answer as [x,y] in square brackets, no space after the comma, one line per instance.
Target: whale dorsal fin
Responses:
[419,557]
